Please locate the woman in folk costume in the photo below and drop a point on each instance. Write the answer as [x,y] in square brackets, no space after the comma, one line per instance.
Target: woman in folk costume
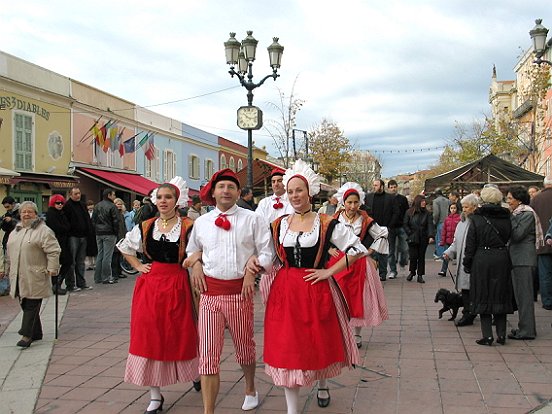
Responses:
[163,333]
[360,283]
[307,336]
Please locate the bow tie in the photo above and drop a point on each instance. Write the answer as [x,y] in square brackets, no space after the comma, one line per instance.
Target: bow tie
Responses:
[278,204]
[223,222]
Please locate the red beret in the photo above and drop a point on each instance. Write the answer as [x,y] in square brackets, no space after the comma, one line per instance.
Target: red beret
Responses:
[277,171]
[226,174]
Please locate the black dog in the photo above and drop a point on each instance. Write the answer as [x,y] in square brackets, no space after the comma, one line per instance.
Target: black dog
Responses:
[450,300]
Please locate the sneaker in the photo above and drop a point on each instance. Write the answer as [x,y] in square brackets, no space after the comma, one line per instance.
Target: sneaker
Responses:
[443,274]
[250,402]
[87,288]
[435,257]
[392,275]
[74,289]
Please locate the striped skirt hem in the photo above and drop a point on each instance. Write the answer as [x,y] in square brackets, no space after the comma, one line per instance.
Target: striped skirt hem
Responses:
[149,372]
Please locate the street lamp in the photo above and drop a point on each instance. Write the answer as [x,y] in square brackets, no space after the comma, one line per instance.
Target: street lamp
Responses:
[243,55]
[538,35]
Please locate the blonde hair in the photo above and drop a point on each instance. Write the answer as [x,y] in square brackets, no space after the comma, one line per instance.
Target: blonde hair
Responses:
[491,195]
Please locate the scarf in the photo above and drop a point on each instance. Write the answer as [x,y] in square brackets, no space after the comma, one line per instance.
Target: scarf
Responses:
[539,239]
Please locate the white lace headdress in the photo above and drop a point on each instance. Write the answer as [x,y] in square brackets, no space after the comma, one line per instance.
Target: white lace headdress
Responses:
[182,187]
[347,188]
[303,169]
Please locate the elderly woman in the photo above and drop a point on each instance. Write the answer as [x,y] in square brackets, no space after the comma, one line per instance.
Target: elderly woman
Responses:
[487,261]
[526,237]
[456,251]
[32,259]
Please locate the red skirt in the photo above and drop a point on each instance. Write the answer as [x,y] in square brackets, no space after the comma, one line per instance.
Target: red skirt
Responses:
[302,330]
[162,324]
[351,282]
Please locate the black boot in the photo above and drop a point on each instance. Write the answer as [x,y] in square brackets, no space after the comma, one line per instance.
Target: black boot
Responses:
[420,279]
[410,276]
[56,286]
[466,319]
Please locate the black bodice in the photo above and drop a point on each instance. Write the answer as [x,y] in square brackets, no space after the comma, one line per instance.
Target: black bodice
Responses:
[303,257]
[162,250]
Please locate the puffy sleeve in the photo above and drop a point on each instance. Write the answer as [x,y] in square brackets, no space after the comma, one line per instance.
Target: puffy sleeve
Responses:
[132,242]
[380,235]
[346,241]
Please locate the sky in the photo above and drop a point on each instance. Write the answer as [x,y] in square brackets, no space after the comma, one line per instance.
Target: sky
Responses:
[395,76]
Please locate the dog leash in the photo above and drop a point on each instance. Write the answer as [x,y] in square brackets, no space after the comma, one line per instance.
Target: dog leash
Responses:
[453,280]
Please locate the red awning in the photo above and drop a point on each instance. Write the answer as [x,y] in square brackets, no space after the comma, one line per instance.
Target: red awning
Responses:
[131,182]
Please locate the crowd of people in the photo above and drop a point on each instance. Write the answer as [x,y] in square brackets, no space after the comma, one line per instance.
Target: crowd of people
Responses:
[321,273]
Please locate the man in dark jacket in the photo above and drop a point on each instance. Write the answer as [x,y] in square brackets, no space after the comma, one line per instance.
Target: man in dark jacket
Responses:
[9,219]
[542,204]
[398,247]
[78,217]
[440,212]
[382,208]
[106,224]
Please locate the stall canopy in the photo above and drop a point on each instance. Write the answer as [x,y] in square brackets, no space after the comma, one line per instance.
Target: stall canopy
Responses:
[127,181]
[489,169]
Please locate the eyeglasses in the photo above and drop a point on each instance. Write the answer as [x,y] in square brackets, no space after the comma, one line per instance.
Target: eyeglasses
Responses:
[59,203]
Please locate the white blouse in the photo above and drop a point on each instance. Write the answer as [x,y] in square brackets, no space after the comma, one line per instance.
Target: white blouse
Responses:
[377,232]
[342,237]
[132,242]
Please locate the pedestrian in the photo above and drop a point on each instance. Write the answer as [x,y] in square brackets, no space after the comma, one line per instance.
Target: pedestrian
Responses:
[106,220]
[196,209]
[147,211]
[360,283]
[381,206]
[277,204]
[533,191]
[447,234]
[398,247]
[136,204]
[307,337]
[226,288]
[487,261]
[116,273]
[418,225]
[32,256]
[330,206]
[542,204]
[525,238]
[456,251]
[81,228]
[246,199]
[58,222]
[163,335]
[91,246]
[440,210]
[9,219]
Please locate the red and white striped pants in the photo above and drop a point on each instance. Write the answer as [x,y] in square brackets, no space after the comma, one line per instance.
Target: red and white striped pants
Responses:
[216,312]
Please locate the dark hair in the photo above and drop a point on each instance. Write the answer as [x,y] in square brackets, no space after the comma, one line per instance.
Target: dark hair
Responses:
[106,192]
[416,205]
[391,182]
[245,191]
[382,183]
[8,200]
[520,193]
[90,203]
[455,193]
[171,187]
[196,199]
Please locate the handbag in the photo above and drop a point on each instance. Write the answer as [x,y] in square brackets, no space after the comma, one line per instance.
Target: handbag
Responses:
[4,286]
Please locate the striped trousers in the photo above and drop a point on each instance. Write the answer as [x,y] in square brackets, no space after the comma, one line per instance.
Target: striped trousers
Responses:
[216,313]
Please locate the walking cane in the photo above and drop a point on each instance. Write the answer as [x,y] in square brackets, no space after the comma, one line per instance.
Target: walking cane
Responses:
[56,312]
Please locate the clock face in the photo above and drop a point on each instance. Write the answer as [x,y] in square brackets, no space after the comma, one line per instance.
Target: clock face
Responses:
[249,117]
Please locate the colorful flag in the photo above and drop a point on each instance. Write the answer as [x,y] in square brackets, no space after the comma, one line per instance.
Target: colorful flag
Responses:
[98,134]
[113,134]
[121,149]
[150,151]
[130,145]
[144,139]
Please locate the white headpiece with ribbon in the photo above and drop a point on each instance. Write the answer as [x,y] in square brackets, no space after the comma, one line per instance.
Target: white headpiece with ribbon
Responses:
[303,169]
[346,187]
[182,186]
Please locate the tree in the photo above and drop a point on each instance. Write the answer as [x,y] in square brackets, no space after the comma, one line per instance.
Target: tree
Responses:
[281,129]
[329,148]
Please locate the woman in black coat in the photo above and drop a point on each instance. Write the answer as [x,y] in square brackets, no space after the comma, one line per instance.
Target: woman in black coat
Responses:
[487,261]
[418,225]
[59,223]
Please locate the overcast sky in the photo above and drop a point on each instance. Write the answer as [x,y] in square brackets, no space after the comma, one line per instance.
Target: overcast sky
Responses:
[394,75]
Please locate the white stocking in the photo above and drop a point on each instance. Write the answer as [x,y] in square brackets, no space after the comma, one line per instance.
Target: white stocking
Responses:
[292,400]
[155,394]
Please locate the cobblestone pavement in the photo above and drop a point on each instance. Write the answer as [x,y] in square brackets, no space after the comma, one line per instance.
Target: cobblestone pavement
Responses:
[413,363]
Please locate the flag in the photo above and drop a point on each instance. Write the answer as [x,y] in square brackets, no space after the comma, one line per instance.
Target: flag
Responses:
[113,134]
[121,149]
[144,140]
[130,145]
[150,151]
[106,142]
[98,134]
[86,137]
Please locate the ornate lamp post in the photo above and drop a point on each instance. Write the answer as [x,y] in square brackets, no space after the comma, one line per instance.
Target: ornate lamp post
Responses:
[538,35]
[243,55]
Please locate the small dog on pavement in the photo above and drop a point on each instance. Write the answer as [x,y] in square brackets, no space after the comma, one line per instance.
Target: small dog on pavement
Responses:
[450,300]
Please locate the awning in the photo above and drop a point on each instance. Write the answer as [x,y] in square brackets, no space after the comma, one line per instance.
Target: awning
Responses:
[6,175]
[125,181]
[59,182]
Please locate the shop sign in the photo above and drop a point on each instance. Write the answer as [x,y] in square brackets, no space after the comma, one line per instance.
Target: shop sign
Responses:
[11,102]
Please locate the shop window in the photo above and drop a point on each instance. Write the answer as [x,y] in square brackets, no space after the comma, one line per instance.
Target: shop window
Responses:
[23,142]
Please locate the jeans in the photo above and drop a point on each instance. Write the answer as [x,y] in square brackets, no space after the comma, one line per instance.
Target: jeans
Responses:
[545,278]
[106,244]
[382,264]
[77,247]
[398,248]
[444,265]
[438,249]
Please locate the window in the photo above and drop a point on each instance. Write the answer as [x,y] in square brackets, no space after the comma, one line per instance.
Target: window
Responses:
[23,142]
[209,169]
[169,165]
[151,167]
[223,164]
[232,164]
[240,164]
[193,167]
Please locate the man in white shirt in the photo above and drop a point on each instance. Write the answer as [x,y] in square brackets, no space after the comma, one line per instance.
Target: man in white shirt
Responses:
[276,205]
[235,243]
